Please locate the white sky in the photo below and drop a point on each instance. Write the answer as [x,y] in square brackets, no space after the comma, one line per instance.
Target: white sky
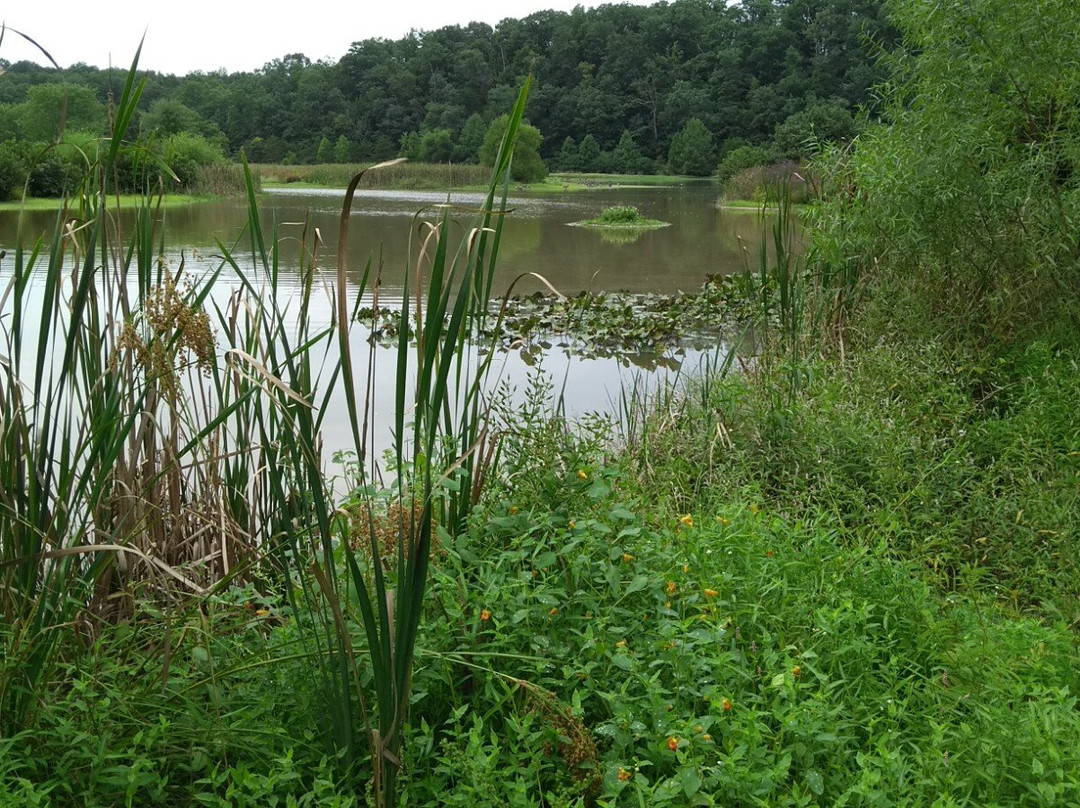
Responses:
[187,35]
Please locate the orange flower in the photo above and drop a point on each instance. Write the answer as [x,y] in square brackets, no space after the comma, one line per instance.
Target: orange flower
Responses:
[627,558]
[769,553]
[553,611]
[262,612]
[671,588]
[513,509]
[706,737]
[485,615]
[673,743]
[624,775]
[796,671]
[620,644]
[582,474]
[725,705]
[685,569]
[573,525]
[711,593]
[686,521]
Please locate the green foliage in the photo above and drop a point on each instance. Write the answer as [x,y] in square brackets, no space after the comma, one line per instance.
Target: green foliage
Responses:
[741,158]
[627,157]
[185,153]
[692,151]
[621,214]
[436,146]
[961,210]
[589,156]
[467,148]
[527,165]
[802,134]
[343,150]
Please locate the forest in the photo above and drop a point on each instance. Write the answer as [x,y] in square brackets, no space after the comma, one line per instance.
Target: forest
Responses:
[619,88]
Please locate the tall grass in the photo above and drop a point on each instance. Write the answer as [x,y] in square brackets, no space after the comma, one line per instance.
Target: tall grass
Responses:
[158,442]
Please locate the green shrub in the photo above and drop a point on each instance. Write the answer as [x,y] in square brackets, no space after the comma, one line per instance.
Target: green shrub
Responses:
[740,159]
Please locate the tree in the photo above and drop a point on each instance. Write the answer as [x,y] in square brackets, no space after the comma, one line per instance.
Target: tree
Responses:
[323,153]
[589,154]
[436,146]
[470,140]
[802,133]
[692,150]
[626,157]
[526,165]
[344,152]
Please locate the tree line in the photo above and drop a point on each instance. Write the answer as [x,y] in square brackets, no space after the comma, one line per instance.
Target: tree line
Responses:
[627,88]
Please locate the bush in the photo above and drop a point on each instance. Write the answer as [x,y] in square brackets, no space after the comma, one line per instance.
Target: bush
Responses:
[527,165]
[740,159]
[761,182]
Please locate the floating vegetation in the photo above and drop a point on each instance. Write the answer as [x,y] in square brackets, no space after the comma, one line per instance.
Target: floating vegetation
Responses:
[604,324]
[622,217]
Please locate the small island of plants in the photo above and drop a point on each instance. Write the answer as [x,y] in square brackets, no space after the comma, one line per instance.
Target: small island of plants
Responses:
[625,217]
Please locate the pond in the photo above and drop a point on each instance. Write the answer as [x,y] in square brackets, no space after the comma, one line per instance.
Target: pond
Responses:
[702,240]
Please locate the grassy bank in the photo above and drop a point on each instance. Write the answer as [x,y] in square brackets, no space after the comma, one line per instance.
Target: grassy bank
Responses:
[122,200]
[403,176]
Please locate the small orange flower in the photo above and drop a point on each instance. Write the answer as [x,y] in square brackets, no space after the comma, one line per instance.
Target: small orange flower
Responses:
[620,644]
[573,525]
[769,553]
[667,605]
[262,612]
[686,521]
[796,671]
[706,737]
[711,593]
[627,558]
[673,743]
[725,705]
[553,611]
[685,569]
[671,588]
[723,522]
[513,509]
[699,729]
[624,775]
[485,615]
[582,474]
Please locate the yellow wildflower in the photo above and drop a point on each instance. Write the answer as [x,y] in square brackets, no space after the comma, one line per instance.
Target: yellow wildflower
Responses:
[711,593]
[671,588]
[582,474]
[620,644]
[624,775]
[686,521]
[485,615]
[627,558]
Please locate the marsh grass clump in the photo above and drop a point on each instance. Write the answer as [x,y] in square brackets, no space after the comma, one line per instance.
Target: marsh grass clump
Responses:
[625,217]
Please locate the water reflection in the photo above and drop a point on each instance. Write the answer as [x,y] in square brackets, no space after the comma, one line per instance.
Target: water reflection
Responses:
[702,240]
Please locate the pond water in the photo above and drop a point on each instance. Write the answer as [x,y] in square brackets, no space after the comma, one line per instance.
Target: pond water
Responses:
[701,240]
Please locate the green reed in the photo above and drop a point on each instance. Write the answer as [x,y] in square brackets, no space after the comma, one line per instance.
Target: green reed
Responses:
[159,443]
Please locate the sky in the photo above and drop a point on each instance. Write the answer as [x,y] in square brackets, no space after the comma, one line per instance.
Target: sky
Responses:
[188,35]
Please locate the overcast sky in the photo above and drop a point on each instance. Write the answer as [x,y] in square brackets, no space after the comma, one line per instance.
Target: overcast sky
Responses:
[187,35]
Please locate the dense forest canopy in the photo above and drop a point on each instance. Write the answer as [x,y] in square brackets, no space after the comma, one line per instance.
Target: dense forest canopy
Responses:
[626,79]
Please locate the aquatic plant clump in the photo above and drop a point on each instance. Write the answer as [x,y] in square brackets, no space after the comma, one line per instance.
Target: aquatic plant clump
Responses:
[623,217]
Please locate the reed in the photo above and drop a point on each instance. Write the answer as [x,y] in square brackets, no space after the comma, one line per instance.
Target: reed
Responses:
[158,442]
